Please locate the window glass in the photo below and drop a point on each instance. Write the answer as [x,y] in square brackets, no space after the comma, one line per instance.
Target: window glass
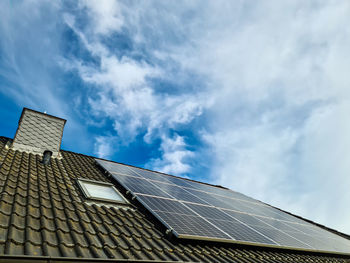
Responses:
[96,190]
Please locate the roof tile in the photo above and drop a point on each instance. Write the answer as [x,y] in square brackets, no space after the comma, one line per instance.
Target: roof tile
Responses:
[57,251]
[18,221]
[16,235]
[48,224]
[33,222]
[65,238]
[79,239]
[48,213]
[13,248]
[106,240]
[93,240]
[62,225]
[83,252]
[32,249]
[89,227]
[3,235]
[75,226]
[4,220]
[98,252]
[33,236]
[49,237]
[19,209]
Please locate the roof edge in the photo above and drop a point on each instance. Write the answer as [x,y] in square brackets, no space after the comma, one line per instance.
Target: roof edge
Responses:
[49,259]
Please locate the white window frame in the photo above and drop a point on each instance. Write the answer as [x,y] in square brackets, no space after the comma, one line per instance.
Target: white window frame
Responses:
[87,195]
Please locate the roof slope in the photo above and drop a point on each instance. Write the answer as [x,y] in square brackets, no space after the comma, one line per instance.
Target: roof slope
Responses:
[44,215]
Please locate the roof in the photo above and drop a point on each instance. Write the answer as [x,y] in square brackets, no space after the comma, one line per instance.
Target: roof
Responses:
[44,216]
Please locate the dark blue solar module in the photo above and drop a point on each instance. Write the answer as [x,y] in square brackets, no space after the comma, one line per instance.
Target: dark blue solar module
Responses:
[201,211]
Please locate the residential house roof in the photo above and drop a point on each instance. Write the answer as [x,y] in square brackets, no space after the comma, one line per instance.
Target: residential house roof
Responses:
[44,217]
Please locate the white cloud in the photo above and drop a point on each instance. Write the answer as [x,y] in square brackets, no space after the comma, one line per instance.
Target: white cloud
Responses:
[174,155]
[105,14]
[104,146]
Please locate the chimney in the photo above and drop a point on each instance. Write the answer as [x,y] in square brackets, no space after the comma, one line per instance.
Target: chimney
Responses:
[38,132]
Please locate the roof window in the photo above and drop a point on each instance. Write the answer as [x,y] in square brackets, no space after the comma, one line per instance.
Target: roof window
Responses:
[101,191]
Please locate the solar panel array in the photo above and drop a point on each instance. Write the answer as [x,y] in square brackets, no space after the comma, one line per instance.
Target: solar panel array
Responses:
[199,211]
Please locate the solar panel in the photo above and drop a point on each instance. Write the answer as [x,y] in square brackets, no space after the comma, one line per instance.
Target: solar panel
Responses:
[201,211]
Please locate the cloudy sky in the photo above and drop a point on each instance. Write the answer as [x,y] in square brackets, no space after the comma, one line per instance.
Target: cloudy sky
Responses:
[251,95]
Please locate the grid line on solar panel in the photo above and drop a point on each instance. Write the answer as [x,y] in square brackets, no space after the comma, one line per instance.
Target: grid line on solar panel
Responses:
[241,232]
[319,233]
[312,241]
[278,224]
[188,225]
[189,184]
[164,205]
[159,205]
[139,185]
[290,230]
[341,245]
[152,175]
[156,177]
[183,194]
[209,212]
[220,201]
[170,183]
[205,212]
[219,216]
[220,191]
[117,168]
[261,227]
[179,193]
[194,199]
[246,218]
[226,203]
[282,238]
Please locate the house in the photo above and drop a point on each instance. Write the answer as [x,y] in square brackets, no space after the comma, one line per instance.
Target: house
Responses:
[61,206]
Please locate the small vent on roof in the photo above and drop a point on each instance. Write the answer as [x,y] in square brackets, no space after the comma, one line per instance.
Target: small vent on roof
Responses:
[47,157]
[38,132]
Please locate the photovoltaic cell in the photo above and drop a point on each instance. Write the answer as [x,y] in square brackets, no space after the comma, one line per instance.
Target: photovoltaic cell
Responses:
[191,225]
[209,212]
[117,168]
[281,238]
[246,218]
[139,185]
[165,205]
[241,232]
[152,176]
[196,210]
[179,193]
[179,182]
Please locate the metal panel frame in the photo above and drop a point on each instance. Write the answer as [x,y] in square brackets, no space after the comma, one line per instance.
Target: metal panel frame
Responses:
[232,240]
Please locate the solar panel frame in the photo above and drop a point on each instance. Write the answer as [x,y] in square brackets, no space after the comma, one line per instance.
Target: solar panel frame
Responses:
[294,228]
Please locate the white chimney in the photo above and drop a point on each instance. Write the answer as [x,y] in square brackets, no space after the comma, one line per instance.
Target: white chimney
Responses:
[38,132]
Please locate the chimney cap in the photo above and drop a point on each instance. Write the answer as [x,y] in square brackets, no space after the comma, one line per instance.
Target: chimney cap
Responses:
[42,113]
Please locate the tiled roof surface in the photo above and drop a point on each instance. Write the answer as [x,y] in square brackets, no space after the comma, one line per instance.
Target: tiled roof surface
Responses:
[44,214]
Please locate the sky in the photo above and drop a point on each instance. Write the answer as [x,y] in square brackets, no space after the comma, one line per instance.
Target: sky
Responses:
[250,95]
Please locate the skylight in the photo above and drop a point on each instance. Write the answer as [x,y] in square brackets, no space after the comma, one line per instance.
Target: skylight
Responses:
[100,191]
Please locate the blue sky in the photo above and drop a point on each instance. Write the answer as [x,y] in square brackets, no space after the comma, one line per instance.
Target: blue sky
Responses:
[250,95]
